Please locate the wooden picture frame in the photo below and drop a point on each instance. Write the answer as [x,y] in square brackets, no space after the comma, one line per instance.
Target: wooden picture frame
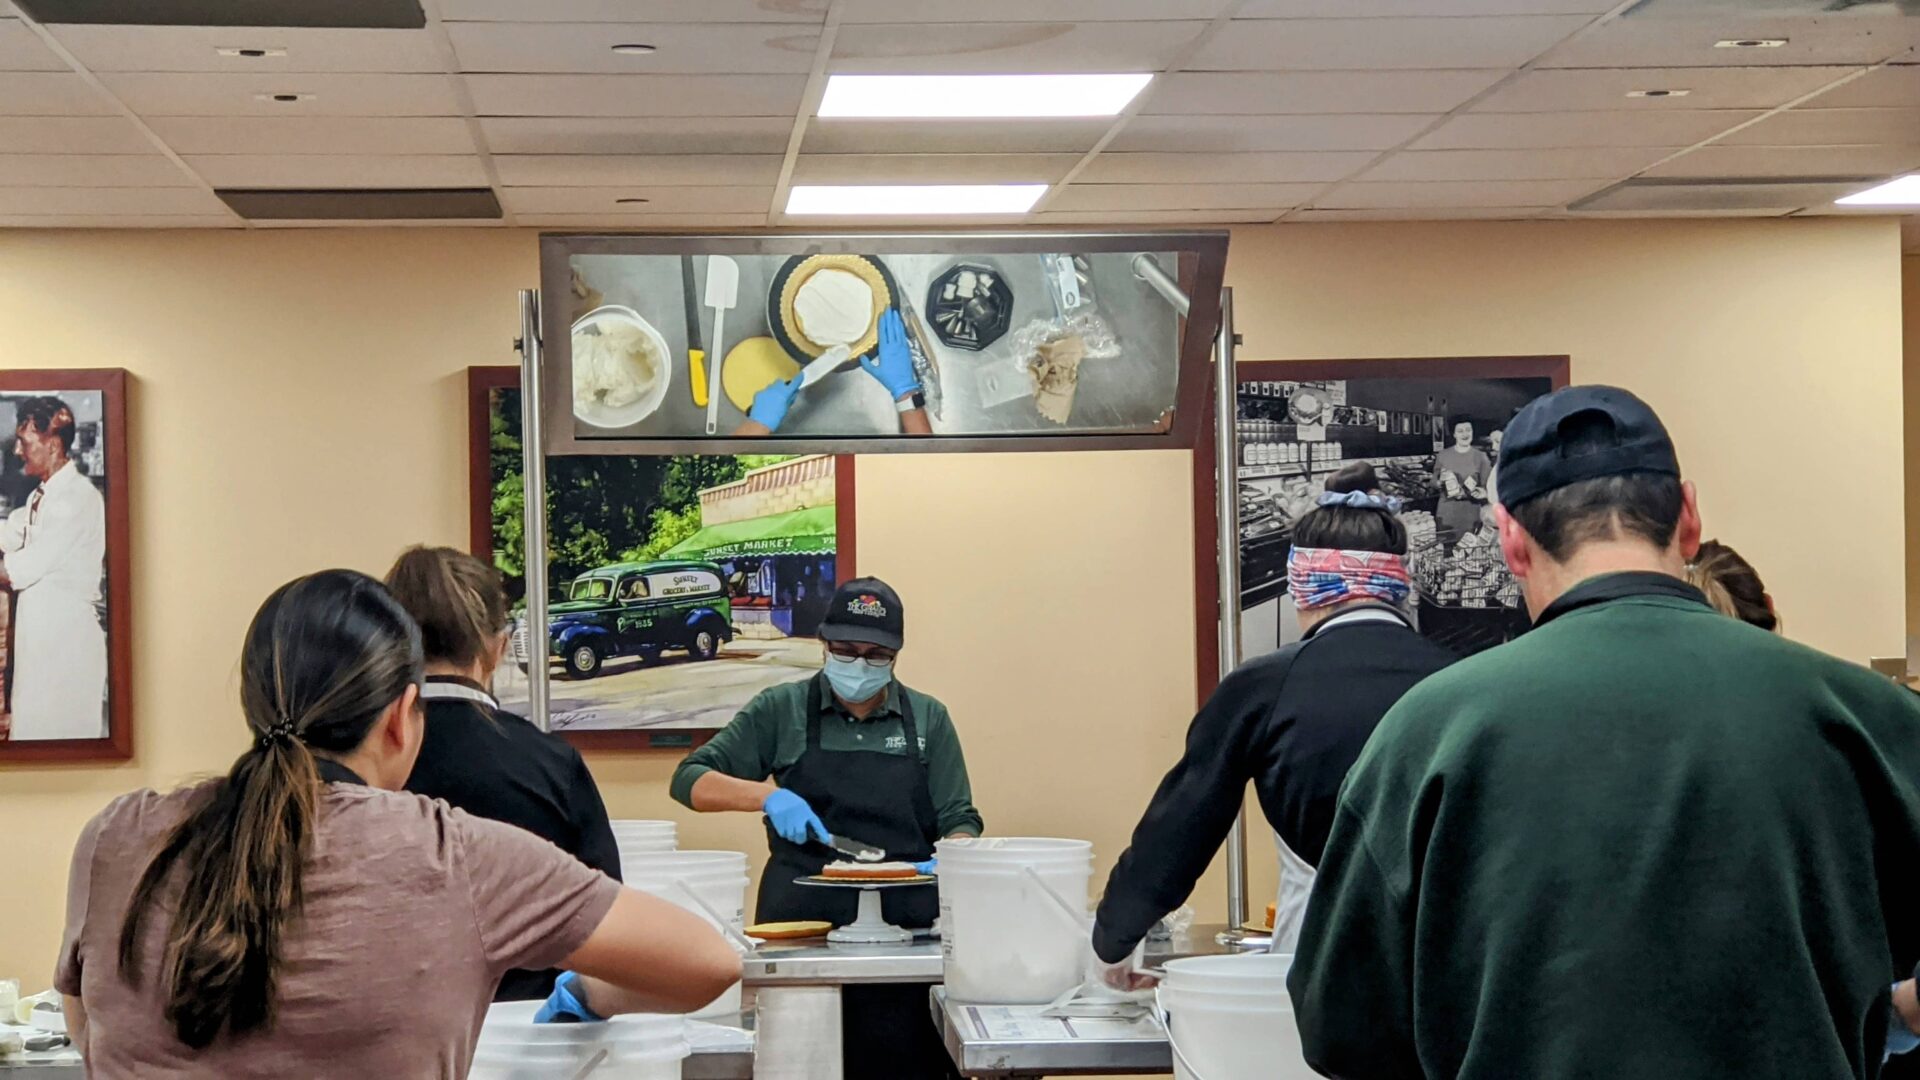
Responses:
[1206,526]
[482,383]
[116,590]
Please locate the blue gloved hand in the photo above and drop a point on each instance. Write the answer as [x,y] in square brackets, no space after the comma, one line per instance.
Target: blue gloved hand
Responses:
[793,819]
[771,404]
[564,1006]
[1900,1038]
[927,867]
[892,362]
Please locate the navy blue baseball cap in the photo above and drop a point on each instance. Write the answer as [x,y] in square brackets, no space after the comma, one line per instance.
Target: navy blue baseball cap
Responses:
[1580,433]
[865,609]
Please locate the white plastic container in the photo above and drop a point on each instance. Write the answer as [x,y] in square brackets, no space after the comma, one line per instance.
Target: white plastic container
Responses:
[1229,1018]
[1008,925]
[711,884]
[643,838]
[513,1047]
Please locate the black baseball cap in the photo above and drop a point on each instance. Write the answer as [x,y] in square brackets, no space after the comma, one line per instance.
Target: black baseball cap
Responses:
[1580,433]
[867,610]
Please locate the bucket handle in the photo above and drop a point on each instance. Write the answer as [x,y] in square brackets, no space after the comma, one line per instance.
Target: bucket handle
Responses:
[1160,1014]
[1079,918]
[593,1063]
[726,927]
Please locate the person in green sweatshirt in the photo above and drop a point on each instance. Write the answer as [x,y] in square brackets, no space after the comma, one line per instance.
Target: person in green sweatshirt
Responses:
[1643,841]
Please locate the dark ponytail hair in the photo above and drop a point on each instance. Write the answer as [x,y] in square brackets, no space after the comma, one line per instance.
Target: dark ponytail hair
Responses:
[1732,585]
[325,656]
[1351,528]
[459,602]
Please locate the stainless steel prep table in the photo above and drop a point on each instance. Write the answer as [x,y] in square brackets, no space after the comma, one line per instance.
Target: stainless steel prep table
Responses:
[797,1000]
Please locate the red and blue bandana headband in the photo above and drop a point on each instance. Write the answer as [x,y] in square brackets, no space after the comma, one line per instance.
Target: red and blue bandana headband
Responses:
[1321,577]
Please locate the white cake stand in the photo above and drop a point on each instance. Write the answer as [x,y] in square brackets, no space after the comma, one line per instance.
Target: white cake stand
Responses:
[869,926]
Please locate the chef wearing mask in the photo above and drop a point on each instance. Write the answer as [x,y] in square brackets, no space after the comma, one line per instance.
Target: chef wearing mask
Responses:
[1291,722]
[851,752]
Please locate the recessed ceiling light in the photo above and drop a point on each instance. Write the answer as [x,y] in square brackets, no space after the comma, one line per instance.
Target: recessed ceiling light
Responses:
[249,53]
[1901,191]
[634,48]
[631,200]
[934,200]
[954,96]
[1658,93]
[283,98]
[1750,43]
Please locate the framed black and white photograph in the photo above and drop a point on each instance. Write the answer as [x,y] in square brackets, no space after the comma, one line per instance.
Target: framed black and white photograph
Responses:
[64,614]
[1432,431]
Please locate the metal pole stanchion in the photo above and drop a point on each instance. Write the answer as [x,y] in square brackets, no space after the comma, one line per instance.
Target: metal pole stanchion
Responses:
[533,475]
[1225,453]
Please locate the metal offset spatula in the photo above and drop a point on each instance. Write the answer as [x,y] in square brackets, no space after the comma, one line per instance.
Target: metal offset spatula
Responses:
[723,292]
[855,850]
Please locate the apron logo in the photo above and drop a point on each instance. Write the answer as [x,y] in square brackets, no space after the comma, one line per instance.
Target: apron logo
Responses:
[899,742]
[867,604]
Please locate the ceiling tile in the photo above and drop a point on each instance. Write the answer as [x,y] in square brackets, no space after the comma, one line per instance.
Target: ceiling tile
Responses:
[683,49]
[1160,217]
[1513,164]
[1006,11]
[641,221]
[90,170]
[1572,130]
[656,135]
[72,135]
[597,200]
[1105,197]
[1559,214]
[1456,213]
[314,134]
[334,94]
[1301,9]
[122,200]
[980,48]
[932,168]
[643,170]
[1689,42]
[1458,193]
[637,95]
[1382,44]
[120,221]
[22,50]
[843,136]
[656,11]
[1185,168]
[340,170]
[1890,87]
[1809,126]
[1229,93]
[49,93]
[195,48]
[1785,161]
[1228,134]
[1709,88]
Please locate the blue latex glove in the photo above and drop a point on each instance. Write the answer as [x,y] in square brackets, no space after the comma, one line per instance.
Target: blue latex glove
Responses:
[927,867]
[892,363]
[564,1006]
[771,404]
[1900,1038]
[793,819]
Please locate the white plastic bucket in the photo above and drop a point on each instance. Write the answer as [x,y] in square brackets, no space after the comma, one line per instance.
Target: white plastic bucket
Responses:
[711,884]
[513,1047]
[1229,1018]
[644,837]
[1008,925]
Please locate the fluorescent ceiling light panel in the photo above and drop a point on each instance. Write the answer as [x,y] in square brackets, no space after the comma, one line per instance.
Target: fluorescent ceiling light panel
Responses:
[928,200]
[975,96]
[1903,191]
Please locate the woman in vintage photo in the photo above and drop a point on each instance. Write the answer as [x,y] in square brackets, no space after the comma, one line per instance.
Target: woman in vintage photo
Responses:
[1461,472]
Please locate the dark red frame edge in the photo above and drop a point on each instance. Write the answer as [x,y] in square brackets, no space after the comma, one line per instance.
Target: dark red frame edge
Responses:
[1206,527]
[481,382]
[118,745]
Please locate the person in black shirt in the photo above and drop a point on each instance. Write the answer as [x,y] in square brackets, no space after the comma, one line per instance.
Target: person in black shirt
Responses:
[487,762]
[1292,722]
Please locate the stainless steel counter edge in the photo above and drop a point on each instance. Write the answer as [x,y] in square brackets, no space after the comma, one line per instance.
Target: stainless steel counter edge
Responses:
[821,964]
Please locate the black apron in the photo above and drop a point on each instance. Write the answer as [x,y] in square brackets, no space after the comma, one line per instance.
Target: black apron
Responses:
[881,799]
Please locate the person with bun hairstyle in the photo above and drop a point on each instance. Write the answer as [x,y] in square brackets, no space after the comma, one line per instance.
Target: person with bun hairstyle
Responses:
[1732,585]
[477,757]
[1291,722]
[302,916]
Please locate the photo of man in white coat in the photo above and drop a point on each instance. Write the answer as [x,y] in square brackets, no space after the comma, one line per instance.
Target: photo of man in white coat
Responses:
[53,556]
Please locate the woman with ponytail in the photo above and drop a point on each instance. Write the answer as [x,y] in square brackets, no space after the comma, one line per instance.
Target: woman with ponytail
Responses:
[477,756]
[301,916]
[1291,722]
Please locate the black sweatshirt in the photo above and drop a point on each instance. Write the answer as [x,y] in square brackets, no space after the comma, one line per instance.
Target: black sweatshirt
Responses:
[496,765]
[1292,721]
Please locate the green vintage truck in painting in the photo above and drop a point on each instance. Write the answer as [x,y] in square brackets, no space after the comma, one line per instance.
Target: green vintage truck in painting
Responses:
[636,609]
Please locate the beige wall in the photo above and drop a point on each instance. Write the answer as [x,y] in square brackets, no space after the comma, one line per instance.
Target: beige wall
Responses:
[1910,287]
[299,403]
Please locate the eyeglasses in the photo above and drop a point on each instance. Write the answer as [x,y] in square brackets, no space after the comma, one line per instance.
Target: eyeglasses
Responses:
[879,658]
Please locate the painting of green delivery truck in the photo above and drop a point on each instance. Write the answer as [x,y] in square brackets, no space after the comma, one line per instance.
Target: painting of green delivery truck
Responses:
[636,609]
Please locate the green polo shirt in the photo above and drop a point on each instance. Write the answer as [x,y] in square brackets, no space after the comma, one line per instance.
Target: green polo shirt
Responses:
[771,734]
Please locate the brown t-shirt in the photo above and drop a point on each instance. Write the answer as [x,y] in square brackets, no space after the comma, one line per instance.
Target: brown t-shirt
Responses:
[413,911]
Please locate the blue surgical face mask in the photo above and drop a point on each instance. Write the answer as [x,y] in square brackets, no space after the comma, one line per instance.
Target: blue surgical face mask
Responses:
[856,680]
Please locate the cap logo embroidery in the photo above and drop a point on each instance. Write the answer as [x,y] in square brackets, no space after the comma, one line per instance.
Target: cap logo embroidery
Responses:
[867,604]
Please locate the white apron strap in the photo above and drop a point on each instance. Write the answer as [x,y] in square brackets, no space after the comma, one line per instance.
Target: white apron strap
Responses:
[1290,907]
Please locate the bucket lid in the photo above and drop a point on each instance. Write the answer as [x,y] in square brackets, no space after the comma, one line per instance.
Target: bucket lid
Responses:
[683,859]
[1248,973]
[1014,848]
